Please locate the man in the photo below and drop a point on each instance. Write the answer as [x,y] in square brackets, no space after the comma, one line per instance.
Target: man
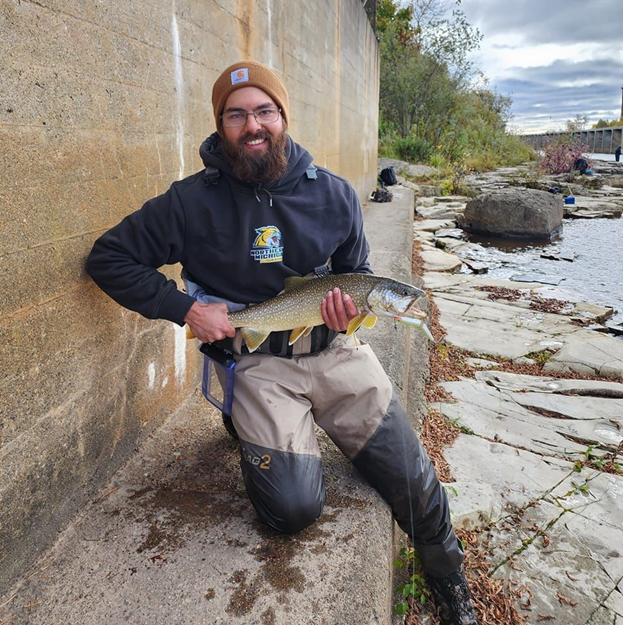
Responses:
[259,213]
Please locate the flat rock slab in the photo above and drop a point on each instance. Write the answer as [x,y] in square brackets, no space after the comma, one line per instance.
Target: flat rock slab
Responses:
[486,327]
[437,260]
[511,330]
[443,211]
[451,233]
[558,535]
[590,354]
[539,278]
[432,225]
[537,415]
[592,207]
[472,505]
[423,235]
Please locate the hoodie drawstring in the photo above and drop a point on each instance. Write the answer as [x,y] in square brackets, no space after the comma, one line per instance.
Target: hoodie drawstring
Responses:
[258,190]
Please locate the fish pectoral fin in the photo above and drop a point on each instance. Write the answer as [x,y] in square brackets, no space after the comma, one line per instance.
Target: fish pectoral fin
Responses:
[355,322]
[253,337]
[297,333]
[293,281]
[369,321]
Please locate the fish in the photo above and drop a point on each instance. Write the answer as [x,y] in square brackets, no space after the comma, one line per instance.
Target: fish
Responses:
[297,307]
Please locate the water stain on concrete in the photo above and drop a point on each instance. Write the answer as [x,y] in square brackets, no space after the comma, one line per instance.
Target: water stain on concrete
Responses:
[245,594]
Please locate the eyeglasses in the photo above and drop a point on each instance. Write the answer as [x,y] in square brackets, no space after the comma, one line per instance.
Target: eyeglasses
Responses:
[235,119]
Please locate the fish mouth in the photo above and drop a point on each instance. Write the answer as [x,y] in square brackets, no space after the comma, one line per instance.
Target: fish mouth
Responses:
[415,313]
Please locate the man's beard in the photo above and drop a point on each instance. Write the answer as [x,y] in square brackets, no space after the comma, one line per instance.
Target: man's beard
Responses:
[257,167]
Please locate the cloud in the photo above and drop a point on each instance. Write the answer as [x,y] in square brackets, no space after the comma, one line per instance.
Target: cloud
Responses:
[545,97]
[556,59]
[556,21]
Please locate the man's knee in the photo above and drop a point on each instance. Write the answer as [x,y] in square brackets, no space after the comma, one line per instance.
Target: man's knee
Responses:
[287,491]
[291,517]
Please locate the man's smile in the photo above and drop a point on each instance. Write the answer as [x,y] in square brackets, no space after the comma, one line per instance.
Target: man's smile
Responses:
[255,143]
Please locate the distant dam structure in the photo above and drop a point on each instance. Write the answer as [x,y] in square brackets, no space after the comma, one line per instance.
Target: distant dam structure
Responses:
[598,140]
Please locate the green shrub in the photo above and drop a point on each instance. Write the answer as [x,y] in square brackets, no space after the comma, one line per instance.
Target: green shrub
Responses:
[414,149]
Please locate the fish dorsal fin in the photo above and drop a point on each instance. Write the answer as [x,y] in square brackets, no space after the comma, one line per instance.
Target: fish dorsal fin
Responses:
[369,321]
[253,338]
[292,282]
[297,333]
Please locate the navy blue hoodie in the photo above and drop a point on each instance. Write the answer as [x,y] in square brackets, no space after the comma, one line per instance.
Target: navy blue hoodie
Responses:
[236,240]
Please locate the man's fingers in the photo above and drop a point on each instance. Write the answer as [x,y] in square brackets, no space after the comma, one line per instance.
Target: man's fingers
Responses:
[340,311]
[327,310]
[209,322]
[349,305]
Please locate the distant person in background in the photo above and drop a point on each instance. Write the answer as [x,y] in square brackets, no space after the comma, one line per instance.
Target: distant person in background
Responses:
[617,154]
[580,165]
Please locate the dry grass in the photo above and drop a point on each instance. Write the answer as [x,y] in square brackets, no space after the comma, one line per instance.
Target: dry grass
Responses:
[495,600]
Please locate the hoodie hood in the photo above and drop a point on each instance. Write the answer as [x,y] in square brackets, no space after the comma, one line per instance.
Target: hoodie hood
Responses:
[299,159]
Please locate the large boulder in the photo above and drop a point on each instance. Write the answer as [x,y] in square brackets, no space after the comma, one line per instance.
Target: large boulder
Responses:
[514,213]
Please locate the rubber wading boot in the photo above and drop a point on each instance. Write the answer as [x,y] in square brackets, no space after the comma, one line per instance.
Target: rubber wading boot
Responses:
[453,599]
[229,425]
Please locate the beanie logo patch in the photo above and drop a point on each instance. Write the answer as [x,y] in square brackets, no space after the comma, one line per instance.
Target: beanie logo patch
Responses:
[240,75]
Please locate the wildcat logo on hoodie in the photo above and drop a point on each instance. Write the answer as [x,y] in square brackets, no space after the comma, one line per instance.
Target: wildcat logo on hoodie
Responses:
[267,246]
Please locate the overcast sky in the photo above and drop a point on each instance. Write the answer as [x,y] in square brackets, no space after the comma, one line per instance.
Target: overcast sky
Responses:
[555,58]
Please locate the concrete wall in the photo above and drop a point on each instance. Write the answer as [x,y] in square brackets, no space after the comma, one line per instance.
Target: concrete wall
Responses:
[103,105]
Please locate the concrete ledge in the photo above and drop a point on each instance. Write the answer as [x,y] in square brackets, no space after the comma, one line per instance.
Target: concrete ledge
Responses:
[173,538]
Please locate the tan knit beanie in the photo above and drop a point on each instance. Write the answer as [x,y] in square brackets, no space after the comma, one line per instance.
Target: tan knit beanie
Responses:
[248,74]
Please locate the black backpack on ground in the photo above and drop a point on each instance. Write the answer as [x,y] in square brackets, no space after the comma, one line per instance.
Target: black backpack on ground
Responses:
[388,176]
[382,195]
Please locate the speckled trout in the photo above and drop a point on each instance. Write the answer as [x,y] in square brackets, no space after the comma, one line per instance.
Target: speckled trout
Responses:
[297,308]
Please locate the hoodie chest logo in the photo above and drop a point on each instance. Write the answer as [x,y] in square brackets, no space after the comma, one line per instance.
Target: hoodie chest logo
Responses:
[267,246]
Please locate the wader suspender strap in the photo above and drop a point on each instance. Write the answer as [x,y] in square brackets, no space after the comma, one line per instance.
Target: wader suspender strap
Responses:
[211,175]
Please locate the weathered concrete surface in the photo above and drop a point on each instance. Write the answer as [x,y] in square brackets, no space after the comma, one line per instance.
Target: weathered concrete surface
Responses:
[103,106]
[173,539]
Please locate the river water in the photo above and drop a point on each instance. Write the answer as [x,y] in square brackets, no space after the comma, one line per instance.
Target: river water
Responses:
[596,271]
[596,246]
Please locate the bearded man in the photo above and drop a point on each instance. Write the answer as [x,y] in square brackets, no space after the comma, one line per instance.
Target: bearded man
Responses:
[259,213]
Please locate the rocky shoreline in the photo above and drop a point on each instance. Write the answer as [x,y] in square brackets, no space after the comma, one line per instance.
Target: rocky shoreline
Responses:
[445,249]
[537,463]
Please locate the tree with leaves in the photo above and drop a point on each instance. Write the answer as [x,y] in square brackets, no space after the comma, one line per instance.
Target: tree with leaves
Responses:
[429,103]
